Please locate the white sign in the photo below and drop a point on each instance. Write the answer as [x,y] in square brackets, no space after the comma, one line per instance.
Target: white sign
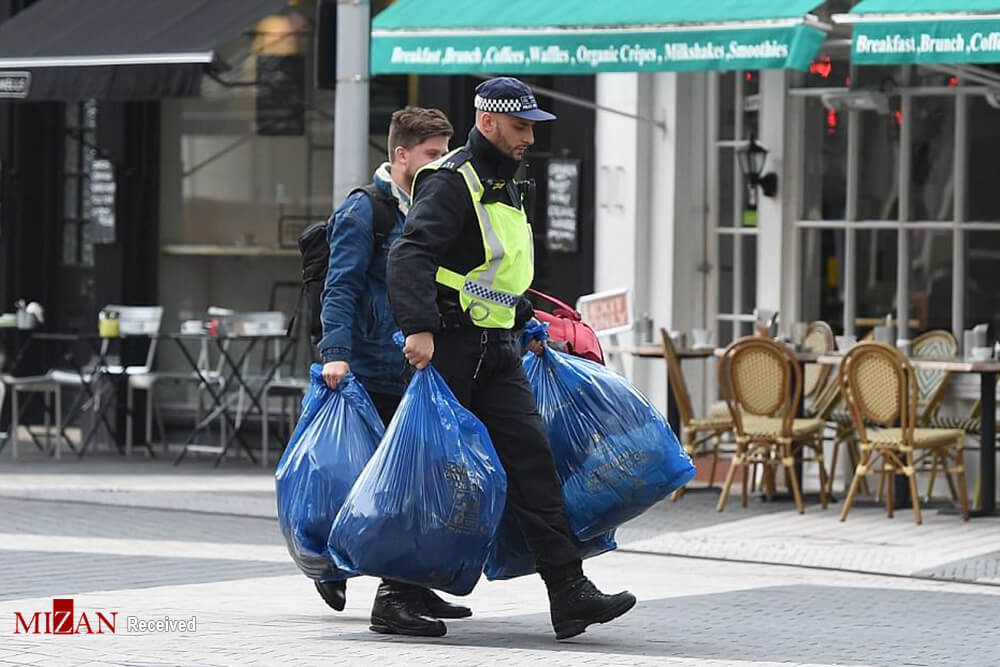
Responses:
[15,84]
[607,312]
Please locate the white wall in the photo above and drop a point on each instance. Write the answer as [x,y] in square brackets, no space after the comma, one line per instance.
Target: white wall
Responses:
[650,219]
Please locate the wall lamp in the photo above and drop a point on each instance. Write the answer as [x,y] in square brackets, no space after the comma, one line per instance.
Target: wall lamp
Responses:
[751,158]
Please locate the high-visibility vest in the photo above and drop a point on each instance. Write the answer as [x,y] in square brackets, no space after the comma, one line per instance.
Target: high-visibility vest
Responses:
[489,292]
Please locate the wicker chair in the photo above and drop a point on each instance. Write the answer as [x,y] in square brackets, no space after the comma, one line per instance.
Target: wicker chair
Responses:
[971,425]
[879,385]
[763,384]
[932,384]
[702,436]
[819,338]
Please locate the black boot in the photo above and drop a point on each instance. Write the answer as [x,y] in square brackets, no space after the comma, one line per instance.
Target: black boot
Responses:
[575,603]
[438,608]
[399,609]
[334,593]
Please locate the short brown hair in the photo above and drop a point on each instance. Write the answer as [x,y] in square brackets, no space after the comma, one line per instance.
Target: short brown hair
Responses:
[411,126]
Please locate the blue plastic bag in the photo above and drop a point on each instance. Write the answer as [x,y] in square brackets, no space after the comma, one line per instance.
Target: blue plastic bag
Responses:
[336,434]
[510,556]
[427,506]
[615,454]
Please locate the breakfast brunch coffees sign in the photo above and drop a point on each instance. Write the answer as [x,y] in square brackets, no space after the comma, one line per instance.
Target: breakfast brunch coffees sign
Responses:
[926,42]
[582,52]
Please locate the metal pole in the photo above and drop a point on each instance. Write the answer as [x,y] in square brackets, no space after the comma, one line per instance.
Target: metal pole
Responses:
[851,215]
[739,190]
[350,121]
[958,240]
[903,246]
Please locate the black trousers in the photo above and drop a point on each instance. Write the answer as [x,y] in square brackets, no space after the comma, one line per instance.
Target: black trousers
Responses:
[385,405]
[489,380]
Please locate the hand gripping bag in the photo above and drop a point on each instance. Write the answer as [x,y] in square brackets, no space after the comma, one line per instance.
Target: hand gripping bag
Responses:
[335,436]
[426,507]
[615,454]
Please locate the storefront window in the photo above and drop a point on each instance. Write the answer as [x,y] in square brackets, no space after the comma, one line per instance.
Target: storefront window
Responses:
[825,162]
[878,166]
[982,299]
[822,295]
[749,276]
[875,274]
[735,216]
[931,278]
[933,155]
[984,130]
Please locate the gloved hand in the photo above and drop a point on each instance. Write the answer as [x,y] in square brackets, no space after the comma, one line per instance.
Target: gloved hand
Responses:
[534,335]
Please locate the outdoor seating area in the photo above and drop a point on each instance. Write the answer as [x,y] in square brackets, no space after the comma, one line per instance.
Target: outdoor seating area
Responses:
[840,420]
[110,388]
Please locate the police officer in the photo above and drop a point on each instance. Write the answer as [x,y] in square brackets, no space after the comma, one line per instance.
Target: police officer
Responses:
[358,328]
[456,279]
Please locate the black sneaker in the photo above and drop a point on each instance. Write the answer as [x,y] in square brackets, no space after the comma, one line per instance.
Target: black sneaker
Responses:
[439,608]
[334,593]
[578,604]
[398,610]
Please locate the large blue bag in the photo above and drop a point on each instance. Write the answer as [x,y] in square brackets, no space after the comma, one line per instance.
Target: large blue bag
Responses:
[510,556]
[335,436]
[426,507]
[615,454]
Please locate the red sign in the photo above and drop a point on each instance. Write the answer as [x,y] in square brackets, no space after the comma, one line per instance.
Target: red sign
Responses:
[607,312]
[62,620]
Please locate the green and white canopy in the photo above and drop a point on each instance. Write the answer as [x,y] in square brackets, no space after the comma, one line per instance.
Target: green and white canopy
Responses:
[890,32]
[593,36]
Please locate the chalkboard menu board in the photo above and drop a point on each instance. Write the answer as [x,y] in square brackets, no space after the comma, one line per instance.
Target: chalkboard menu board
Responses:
[102,201]
[562,205]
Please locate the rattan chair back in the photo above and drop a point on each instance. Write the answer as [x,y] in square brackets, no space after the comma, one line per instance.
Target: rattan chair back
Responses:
[757,376]
[932,384]
[675,378]
[819,338]
[879,385]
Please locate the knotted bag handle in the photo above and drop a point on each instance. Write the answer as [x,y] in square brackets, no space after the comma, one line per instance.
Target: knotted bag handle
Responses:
[562,309]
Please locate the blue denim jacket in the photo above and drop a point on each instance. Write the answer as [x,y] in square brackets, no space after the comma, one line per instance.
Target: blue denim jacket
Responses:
[357,321]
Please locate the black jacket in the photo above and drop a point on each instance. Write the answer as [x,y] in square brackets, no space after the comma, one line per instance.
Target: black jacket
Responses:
[442,230]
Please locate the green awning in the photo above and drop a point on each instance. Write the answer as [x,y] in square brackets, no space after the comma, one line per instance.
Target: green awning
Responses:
[593,36]
[891,32]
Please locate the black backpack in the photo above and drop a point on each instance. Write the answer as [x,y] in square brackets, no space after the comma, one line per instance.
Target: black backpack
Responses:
[316,254]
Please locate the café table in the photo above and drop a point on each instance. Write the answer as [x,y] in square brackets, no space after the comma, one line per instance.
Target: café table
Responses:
[233,379]
[987,372]
[87,376]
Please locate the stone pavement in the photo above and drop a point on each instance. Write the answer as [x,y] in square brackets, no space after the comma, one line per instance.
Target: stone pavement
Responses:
[125,537]
[764,532]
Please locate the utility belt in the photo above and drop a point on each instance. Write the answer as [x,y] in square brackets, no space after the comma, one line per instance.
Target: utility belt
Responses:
[458,325]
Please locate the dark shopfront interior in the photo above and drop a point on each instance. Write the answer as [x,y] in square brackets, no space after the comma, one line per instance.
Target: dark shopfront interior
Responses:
[52,253]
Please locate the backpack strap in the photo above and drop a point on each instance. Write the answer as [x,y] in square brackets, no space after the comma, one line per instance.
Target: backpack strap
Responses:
[384,209]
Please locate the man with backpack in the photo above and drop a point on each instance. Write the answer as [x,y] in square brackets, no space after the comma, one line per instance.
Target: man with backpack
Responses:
[357,327]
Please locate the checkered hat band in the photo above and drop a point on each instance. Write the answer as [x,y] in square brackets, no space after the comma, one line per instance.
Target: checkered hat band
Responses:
[506,105]
[484,292]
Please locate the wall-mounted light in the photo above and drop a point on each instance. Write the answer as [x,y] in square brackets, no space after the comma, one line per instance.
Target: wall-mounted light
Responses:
[752,158]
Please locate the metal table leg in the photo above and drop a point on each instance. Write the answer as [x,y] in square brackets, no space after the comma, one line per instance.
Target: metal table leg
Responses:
[988,447]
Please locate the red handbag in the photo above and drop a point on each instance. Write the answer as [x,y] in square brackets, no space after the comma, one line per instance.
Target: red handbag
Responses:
[567,326]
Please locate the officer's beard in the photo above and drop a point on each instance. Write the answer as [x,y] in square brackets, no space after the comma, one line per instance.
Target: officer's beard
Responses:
[512,150]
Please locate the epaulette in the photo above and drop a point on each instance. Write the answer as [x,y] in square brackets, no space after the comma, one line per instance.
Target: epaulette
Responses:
[455,159]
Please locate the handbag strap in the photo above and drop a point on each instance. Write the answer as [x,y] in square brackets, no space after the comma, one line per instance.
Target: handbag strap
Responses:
[554,301]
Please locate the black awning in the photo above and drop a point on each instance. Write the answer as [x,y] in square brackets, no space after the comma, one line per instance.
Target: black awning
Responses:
[119,49]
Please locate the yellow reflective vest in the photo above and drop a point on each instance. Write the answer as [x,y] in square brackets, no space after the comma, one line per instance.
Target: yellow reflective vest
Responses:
[489,292]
